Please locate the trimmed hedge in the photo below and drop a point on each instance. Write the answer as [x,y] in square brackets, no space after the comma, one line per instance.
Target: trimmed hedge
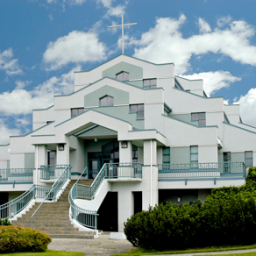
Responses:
[227,217]
[5,222]
[18,239]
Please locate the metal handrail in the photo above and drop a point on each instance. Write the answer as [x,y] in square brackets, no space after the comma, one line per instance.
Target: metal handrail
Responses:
[13,207]
[48,172]
[16,174]
[85,169]
[56,187]
[224,168]
[108,171]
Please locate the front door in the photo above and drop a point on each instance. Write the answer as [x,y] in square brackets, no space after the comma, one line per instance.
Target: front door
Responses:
[93,168]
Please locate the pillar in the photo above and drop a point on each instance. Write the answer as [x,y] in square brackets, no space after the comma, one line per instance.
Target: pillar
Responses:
[125,154]
[149,175]
[125,207]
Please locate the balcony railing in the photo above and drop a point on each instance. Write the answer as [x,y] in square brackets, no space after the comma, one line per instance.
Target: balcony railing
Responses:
[193,170]
[18,175]
[51,172]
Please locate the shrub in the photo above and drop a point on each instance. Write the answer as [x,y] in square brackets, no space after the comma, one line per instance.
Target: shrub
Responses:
[18,239]
[5,222]
[227,217]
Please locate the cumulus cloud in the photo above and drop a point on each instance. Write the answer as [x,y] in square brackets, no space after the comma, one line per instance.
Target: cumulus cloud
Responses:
[74,2]
[248,107]
[112,10]
[5,132]
[214,81]
[76,47]
[41,96]
[204,27]
[165,42]
[8,63]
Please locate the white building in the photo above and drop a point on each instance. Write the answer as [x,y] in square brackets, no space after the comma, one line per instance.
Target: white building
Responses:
[145,135]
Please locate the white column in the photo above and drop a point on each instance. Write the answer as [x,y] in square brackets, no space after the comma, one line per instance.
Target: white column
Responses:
[125,154]
[63,156]
[149,175]
[125,207]
[41,158]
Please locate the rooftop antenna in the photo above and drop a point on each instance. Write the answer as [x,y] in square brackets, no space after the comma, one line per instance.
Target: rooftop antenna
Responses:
[122,25]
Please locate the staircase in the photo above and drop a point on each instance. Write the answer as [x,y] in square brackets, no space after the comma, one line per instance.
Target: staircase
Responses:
[53,218]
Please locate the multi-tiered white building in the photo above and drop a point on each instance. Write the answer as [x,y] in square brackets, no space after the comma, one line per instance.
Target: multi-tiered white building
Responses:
[143,134]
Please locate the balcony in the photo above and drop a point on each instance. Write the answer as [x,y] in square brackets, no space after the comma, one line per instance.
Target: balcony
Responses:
[51,172]
[202,171]
[16,175]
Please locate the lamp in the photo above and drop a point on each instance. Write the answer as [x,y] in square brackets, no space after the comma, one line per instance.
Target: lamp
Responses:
[124,144]
[61,147]
[95,139]
[178,199]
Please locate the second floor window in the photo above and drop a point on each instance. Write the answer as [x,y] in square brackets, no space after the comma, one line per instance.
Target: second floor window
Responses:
[248,159]
[107,101]
[200,117]
[149,83]
[76,111]
[122,76]
[194,157]
[139,109]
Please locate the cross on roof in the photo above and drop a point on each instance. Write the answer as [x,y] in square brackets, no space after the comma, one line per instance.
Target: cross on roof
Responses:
[122,25]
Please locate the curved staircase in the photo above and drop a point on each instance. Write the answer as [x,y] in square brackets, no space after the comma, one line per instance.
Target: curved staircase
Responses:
[53,217]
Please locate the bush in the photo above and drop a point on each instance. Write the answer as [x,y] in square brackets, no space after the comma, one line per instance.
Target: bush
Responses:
[18,239]
[227,217]
[5,222]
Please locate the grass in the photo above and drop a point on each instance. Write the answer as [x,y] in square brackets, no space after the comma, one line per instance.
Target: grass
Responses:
[47,253]
[140,251]
[236,254]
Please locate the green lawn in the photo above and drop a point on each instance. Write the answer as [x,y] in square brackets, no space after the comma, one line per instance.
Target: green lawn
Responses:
[235,254]
[139,251]
[47,253]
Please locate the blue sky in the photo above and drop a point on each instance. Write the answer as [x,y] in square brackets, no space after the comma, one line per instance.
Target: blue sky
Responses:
[44,41]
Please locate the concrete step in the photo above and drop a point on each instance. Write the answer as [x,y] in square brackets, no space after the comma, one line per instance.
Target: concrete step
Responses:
[46,223]
[72,236]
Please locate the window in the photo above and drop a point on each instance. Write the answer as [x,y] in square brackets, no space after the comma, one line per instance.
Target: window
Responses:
[149,83]
[122,76]
[52,157]
[139,109]
[194,157]
[226,157]
[248,158]
[76,111]
[166,156]
[200,117]
[107,101]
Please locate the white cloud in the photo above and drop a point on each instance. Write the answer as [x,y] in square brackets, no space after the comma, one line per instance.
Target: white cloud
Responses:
[76,47]
[223,21]
[204,27]
[165,43]
[20,101]
[74,2]
[8,64]
[248,107]
[214,81]
[112,10]
[5,132]
[21,84]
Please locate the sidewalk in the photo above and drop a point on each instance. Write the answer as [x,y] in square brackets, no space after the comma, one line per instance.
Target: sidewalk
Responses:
[103,246]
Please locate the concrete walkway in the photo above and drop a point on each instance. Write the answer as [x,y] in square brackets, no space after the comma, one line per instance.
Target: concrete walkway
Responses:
[103,246]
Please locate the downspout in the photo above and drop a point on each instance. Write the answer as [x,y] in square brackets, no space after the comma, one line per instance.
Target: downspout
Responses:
[37,162]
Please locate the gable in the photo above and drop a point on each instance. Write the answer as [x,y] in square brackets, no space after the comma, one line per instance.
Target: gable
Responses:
[120,96]
[97,131]
[135,72]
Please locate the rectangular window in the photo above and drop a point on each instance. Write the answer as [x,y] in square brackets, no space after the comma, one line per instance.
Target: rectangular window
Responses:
[200,117]
[194,157]
[52,157]
[76,111]
[248,158]
[226,157]
[107,101]
[166,156]
[139,109]
[122,76]
[149,83]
